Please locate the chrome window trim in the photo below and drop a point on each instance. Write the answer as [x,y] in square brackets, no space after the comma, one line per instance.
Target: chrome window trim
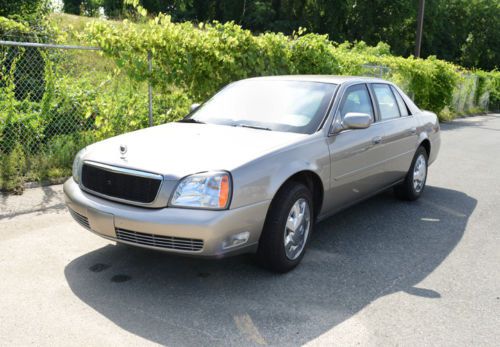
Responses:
[125,171]
[388,120]
[341,90]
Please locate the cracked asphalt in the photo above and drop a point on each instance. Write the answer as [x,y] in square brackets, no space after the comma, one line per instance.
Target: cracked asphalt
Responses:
[384,272]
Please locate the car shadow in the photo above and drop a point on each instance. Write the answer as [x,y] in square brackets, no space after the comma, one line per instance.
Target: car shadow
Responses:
[375,248]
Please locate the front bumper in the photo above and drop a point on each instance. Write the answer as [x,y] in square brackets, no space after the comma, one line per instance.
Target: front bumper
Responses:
[169,225]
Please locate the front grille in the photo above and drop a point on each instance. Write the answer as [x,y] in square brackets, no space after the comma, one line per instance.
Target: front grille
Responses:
[120,185]
[80,219]
[169,242]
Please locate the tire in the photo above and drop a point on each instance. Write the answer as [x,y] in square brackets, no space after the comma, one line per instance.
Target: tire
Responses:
[292,200]
[412,187]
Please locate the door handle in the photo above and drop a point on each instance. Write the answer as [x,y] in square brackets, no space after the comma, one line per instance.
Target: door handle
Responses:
[376,140]
[413,131]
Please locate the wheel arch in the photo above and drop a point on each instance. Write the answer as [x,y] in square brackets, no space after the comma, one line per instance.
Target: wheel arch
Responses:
[313,182]
[427,145]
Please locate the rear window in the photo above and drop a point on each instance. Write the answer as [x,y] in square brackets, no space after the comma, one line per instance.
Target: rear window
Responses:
[402,105]
[386,101]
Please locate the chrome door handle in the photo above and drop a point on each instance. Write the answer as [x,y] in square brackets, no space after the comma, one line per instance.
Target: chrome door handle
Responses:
[376,140]
[413,131]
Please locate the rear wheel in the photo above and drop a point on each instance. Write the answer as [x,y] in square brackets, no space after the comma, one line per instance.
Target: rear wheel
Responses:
[288,225]
[414,183]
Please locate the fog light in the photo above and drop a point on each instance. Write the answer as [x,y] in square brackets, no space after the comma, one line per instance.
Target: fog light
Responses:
[235,240]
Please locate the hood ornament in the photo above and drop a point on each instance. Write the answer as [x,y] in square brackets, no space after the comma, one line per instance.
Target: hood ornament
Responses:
[123,151]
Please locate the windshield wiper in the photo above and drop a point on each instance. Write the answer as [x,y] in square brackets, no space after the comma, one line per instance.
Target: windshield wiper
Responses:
[253,127]
[191,120]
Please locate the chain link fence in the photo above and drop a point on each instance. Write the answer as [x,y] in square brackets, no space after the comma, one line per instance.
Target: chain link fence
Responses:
[378,71]
[56,99]
[465,98]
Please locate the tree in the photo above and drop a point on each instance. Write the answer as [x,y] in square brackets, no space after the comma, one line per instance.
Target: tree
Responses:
[81,7]
[482,44]
[113,8]
[26,10]
[72,6]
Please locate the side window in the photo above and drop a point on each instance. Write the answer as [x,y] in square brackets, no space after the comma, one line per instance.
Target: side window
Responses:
[387,104]
[403,109]
[356,99]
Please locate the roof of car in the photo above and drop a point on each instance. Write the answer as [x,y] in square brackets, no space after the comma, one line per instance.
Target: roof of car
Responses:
[322,78]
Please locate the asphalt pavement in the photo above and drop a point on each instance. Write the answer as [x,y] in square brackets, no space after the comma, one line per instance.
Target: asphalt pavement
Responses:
[382,273]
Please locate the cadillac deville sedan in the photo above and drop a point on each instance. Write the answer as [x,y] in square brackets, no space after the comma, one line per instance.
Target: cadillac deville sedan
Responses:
[255,167]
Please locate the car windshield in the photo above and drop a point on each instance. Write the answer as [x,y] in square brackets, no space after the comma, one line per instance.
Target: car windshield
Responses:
[290,106]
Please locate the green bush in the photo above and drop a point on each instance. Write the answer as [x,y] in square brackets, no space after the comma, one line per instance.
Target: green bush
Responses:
[13,166]
[200,60]
[60,151]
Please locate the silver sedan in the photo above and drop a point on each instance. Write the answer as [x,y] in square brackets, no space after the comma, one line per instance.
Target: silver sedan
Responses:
[255,167]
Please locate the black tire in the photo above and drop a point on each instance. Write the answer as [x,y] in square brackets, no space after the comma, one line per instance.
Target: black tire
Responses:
[271,253]
[407,190]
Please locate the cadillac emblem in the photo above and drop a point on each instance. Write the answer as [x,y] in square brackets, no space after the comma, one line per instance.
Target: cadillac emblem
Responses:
[123,151]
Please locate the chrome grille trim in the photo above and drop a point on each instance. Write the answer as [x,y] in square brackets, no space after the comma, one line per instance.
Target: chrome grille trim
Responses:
[128,172]
[80,219]
[125,171]
[160,241]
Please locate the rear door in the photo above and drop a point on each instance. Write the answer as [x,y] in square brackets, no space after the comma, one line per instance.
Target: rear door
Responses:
[400,132]
[357,155]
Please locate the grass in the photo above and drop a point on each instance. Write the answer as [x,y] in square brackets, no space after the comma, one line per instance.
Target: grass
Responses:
[77,63]
[73,25]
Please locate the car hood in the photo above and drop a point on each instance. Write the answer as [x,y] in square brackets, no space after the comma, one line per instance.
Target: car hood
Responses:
[179,149]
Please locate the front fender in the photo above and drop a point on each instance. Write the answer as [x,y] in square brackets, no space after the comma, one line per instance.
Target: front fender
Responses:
[260,179]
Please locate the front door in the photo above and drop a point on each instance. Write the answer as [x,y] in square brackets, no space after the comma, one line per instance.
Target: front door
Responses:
[356,155]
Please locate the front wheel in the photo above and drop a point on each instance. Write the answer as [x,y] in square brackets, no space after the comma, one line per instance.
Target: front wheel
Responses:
[288,225]
[414,183]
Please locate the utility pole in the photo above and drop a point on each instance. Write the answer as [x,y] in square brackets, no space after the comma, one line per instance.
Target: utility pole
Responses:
[150,88]
[420,26]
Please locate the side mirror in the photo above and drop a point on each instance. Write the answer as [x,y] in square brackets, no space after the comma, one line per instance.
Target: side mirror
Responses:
[194,107]
[354,120]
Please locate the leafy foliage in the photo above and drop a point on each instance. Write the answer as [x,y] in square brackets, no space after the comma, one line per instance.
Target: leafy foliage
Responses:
[26,10]
[200,60]
[462,31]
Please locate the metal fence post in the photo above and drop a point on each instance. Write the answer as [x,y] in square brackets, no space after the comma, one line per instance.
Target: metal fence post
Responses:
[150,88]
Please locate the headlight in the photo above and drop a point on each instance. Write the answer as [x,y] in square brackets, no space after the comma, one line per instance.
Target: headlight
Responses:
[209,190]
[77,165]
